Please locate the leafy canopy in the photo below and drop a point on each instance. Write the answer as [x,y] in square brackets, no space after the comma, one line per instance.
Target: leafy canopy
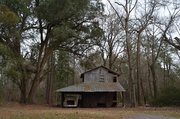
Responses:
[7,16]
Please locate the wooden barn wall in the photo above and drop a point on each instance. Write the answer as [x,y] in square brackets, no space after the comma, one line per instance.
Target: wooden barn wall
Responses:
[94,75]
[97,99]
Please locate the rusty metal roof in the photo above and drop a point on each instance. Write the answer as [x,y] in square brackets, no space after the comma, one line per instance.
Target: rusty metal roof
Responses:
[94,87]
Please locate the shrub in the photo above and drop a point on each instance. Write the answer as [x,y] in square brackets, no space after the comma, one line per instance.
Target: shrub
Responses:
[168,97]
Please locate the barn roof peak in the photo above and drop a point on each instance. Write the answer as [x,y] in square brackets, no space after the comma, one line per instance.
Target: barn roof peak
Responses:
[109,70]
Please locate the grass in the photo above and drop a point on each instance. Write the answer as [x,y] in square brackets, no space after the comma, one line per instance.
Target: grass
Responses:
[16,111]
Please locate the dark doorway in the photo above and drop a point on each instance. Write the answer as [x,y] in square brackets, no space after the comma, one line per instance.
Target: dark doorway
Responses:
[70,102]
[101,104]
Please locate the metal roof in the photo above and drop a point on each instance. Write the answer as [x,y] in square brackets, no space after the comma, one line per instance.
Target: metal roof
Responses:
[94,87]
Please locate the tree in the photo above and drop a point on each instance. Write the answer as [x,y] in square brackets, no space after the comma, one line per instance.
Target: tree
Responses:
[125,18]
[7,16]
[140,22]
[170,26]
[48,25]
[143,21]
[91,60]
[63,69]
[164,27]
[112,43]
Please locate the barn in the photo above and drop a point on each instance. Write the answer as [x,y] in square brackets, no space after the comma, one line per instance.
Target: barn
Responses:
[99,88]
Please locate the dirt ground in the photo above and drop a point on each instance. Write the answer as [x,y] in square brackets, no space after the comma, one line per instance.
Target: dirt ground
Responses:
[17,111]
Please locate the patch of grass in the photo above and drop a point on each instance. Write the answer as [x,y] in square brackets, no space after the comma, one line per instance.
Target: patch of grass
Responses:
[55,116]
[45,116]
[177,115]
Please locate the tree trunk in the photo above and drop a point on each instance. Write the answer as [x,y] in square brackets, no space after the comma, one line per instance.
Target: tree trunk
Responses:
[23,89]
[149,79]
[110,56]
[164,70]
[152,67]
[33,89]
[48,88]
[131,76]
[143,90]
[50,77]
[138,71]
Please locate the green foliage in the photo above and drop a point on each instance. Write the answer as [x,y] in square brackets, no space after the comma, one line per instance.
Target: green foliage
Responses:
[3,49]
[170,96]
[45,26]
[19,7]
[63,9]
[64,71]
[7,16]
[91,61]
[66,10]
[60,34]
[97,32]
[15,74]
[2,101]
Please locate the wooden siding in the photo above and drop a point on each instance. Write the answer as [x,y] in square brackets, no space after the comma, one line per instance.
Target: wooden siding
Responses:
[99,75]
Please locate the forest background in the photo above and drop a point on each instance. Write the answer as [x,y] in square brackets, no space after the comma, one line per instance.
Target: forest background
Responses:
[46,45]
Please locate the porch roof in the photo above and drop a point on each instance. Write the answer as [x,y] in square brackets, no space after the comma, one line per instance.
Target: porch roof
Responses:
[94,87]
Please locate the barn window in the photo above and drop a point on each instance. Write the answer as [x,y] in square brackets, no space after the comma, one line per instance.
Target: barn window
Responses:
[114,79]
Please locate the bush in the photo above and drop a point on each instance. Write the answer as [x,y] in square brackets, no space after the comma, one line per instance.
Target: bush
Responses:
[168,97]
[3,101]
